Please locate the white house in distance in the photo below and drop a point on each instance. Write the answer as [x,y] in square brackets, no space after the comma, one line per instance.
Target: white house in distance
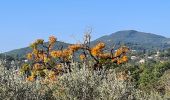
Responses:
[133,57]
[142,61]
[150,57]
[157,54]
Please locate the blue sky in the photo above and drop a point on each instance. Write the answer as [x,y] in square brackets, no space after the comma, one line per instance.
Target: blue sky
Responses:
[23,21]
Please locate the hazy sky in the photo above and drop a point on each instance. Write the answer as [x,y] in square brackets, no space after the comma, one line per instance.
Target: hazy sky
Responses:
[23,21]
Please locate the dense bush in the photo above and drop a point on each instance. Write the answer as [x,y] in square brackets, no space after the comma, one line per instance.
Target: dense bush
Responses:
[46,62]
[78,85]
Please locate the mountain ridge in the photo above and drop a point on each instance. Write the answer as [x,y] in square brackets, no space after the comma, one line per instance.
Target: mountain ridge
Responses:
[22,51]
[134,39]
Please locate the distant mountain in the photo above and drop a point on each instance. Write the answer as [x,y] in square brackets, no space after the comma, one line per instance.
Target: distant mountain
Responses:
[23,51]
[135,40]
[131,38]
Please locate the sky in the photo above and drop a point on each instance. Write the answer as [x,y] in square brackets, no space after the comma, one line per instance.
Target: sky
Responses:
[23,21]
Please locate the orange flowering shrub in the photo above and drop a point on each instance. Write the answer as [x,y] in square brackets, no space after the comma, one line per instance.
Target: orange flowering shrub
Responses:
[52,41]
[65,54]
[82,57]
[45,62]
[75,47]
[96,50]
[39,60]
[120,55]
[104,55]
[30,78]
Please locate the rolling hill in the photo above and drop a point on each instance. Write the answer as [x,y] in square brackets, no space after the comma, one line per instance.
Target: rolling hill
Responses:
[23,51]
[133,39]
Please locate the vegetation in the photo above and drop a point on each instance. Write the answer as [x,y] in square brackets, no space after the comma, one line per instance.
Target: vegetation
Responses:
[48,63]
[79,84]
[83,72]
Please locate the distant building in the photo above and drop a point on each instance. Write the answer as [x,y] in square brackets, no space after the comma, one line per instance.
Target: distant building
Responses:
[26,60]
[150,57]
[133,57]
[133,50]
[157,54]
[142,61]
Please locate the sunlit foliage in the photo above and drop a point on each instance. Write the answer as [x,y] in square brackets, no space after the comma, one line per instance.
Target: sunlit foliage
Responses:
[45,62]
